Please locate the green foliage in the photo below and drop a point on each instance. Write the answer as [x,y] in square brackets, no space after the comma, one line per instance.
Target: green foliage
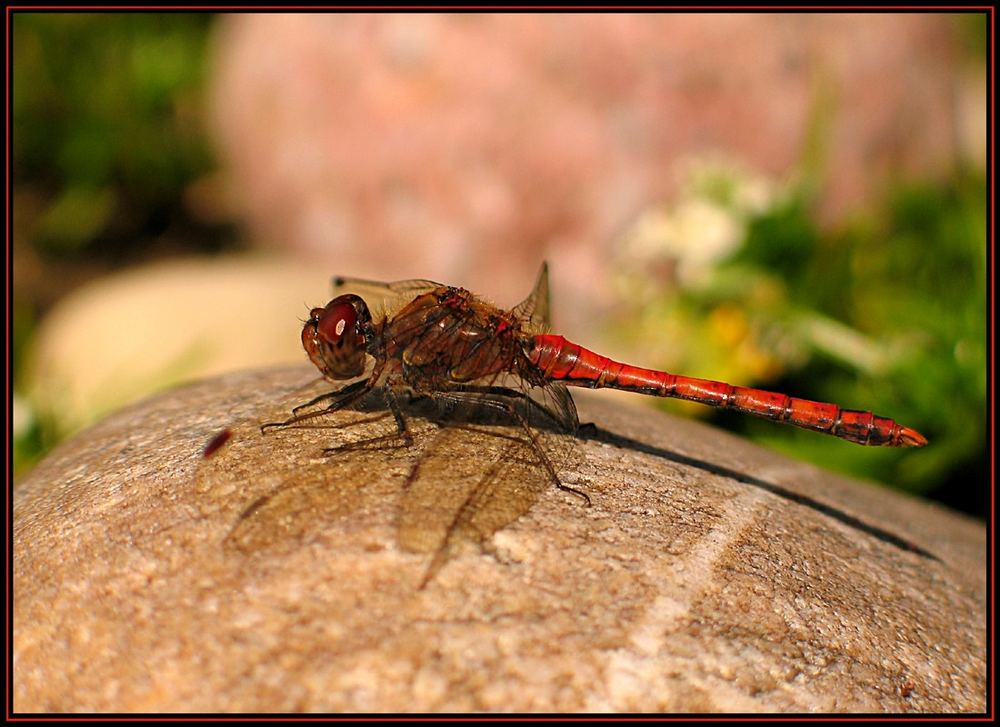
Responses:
[885,313]
[973,30]
[781,241]
[909,284]
[107,134]
[106,128]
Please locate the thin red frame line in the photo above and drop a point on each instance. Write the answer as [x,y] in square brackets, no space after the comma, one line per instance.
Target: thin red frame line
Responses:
[8,51]
[991,389]
[989,9]
[951,8]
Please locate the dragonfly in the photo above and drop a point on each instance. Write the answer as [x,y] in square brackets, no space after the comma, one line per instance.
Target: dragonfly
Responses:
[446,344]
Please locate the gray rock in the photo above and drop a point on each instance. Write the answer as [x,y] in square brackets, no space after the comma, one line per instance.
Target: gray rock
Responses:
[708,575]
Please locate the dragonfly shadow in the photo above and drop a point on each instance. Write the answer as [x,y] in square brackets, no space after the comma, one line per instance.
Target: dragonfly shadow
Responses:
[592,432]
[471,413]
[476,467]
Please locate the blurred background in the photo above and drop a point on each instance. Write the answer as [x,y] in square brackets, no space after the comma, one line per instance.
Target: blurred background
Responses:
[795,202]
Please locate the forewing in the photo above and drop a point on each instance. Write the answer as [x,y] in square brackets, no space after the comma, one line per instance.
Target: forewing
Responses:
[383,297]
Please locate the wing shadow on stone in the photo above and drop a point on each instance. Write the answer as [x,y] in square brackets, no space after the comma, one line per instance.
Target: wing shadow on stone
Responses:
[477,472]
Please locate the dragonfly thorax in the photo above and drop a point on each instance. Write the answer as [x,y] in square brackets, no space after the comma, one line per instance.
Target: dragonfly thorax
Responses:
[448,337]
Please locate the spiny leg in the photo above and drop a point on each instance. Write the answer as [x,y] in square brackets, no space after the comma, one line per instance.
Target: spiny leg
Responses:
[510,409]
[318,399]
[342,398]
[544,458]
[401,435]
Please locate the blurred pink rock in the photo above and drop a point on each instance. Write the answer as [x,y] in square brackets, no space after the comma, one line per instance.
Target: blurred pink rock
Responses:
[465,148]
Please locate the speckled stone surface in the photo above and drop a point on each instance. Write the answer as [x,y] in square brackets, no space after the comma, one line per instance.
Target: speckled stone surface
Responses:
[709,575]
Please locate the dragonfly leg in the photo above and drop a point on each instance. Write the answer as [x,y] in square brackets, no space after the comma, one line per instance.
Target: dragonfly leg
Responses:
[545,460]
[317,400]
[402,434]
[509,408]
[341,398]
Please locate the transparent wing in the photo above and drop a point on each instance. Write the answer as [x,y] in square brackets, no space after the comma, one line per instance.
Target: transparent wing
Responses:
[383,298]
[556,400]
[342,284]
[535,310]
[548,407]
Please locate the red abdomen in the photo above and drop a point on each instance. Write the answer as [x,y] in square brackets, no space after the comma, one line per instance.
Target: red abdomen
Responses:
[570,363]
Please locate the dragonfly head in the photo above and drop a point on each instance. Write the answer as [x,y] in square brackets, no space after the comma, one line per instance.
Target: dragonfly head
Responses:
[335,337]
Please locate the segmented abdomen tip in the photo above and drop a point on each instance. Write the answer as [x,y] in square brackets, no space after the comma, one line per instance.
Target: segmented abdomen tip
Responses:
[911,438]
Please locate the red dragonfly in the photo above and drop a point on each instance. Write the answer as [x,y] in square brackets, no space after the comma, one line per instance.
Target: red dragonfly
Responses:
[446,344]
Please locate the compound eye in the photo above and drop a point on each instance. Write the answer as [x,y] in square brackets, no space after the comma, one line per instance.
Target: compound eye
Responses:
[336,321]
